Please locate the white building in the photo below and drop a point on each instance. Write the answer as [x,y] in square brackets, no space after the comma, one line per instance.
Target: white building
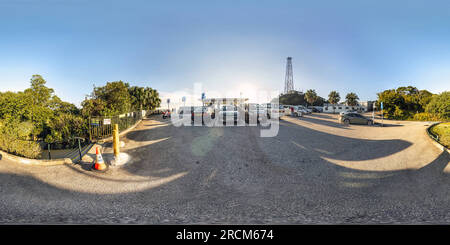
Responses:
[363,106]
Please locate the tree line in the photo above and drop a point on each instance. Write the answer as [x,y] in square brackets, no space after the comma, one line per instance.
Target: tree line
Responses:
[35,116]
[403,103]
[410,103]
[311,98]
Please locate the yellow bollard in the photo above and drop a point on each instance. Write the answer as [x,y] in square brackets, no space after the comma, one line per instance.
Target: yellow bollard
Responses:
[116,140]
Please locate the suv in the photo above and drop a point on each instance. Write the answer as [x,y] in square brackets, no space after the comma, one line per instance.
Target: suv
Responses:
[229,113]
[354,118]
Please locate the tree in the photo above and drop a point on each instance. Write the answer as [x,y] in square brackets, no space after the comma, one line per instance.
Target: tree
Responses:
[152,99]
[33,115]
[311,96]
[440,105]
[351,99]
[93,107]
[424,98]
[319,101]
[292,98]
[334,97]
[393,103]
[404,102]
[138,96]
[116,98]
[38,91]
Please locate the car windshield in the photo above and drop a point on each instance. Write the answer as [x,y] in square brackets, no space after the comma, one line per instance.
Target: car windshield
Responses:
[228,108]
[197,109]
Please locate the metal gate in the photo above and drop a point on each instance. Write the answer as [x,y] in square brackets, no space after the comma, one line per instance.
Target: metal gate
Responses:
[102,127]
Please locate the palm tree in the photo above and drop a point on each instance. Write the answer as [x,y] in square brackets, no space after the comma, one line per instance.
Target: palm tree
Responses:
[334,98]
[311,96]
[137,97]
[152,98]
[351,99]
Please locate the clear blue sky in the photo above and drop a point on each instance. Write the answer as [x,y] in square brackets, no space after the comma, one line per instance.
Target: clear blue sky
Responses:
[348,46]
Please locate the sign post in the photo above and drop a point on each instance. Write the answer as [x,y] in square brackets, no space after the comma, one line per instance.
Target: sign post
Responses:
[382,117]
[168,102]
[203,97]
[373,115]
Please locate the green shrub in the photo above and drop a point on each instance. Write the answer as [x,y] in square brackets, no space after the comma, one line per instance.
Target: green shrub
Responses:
[440,105]
[14,138]
[24,148]
[442,130]
[425,116]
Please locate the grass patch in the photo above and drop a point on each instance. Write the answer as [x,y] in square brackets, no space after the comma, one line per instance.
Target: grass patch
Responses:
[443,131]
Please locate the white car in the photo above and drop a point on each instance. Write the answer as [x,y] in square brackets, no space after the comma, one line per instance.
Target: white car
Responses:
[255,112]
[229,113]
[298,112]
[271,112]
[304,110]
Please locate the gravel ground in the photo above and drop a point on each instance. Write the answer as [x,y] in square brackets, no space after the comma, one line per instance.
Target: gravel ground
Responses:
[315,171]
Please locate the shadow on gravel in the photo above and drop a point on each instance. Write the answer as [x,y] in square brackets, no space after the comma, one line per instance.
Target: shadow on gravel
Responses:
[385,125]
[335,124]
[340,147]
[407,182]
[321,115]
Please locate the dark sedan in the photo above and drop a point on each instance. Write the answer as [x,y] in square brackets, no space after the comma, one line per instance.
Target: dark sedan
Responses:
[354,118]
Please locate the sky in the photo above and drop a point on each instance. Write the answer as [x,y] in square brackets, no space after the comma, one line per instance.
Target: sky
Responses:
[228,47]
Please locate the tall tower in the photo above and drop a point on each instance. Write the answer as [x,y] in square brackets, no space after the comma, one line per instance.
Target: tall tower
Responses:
[289,80]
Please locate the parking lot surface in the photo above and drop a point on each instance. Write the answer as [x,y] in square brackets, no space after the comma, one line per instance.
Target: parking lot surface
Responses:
[315,171]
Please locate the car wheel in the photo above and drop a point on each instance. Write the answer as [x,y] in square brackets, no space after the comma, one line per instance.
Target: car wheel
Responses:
[369,123]
[346,122]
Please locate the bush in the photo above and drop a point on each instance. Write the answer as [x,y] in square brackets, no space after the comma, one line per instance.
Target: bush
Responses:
[24,148]
[440,105]
[13,139]
[425,116]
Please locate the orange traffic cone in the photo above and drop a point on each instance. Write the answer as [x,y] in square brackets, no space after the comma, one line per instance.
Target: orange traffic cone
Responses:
[99,163]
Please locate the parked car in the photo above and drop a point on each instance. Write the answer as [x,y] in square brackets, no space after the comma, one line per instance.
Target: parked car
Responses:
[304,110]
[229,113]
[255,111]
[270,111]
[298,111]
[346,112]
[316,109]
[355,118]
[201,112]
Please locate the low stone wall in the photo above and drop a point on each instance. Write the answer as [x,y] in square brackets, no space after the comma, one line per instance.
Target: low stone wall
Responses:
[434,141]
[34,161]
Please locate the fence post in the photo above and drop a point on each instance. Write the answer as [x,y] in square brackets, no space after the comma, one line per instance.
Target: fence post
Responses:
[79,148]
[49,154]
[90,136]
